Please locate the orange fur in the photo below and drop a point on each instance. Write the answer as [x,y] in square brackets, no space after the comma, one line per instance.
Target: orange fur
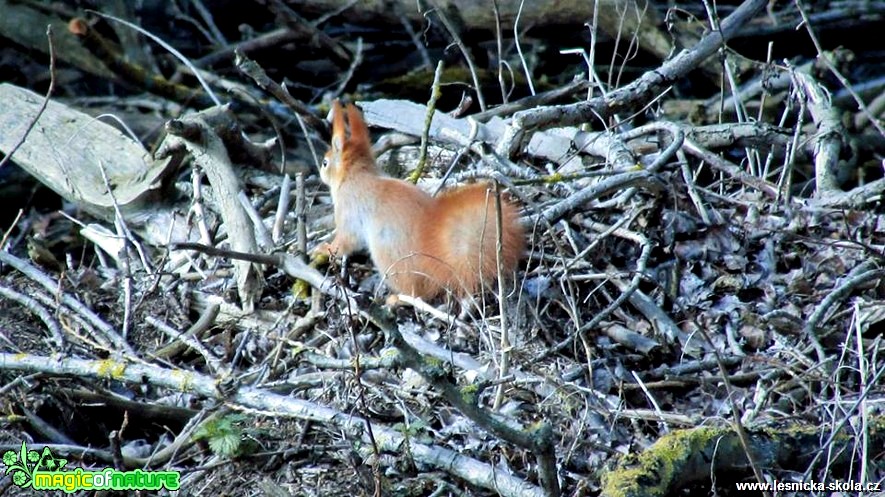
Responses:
[421,244]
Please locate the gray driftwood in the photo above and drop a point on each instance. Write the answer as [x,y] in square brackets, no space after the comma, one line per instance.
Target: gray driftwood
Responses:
[67,150]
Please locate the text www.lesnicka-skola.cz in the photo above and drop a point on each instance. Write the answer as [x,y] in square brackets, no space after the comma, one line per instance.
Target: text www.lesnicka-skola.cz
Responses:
[810,486]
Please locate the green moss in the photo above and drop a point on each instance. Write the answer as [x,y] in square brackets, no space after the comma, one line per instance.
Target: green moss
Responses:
[111,369]
[183,379]
[553,178]
[301,289]
[469,393]
[433,369]
[652,472]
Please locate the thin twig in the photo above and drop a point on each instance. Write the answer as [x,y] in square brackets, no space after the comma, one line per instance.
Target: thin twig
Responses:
[210,22]
[736,410]
[858,276]
[354,64]
[39,310]
[178,55]
[428,120]
[464,51]
[257,399]
[525,65]
[300,213]
[499,44]
[8,232]
[250,68]
[825,58]
[43,104]
[502,310]
[282,209]
[425,56]
[108,332]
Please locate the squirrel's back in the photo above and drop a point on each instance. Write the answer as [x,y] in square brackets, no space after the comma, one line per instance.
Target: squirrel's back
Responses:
[464,237]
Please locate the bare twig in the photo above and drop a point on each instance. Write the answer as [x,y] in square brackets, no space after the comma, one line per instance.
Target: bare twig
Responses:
[39,310]
[355,62]
[860,275]
[737,411]
[107,332]
[197,135]
[829,134]
[631,96]
[215,364]
[538,439]
[435,93]
[464,51]
[525,65]
[250,68]
[246,397]
[43,105]
[138,75]
[825,58]
[425,56]
[638,276]
[210,22]
[282,209]
[266,40]
[502,308]
[499,43]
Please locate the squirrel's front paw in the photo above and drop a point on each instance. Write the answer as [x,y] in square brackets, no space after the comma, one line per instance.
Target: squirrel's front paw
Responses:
[322,253]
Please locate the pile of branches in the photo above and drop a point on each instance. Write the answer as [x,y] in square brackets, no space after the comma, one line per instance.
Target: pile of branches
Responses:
[701,296]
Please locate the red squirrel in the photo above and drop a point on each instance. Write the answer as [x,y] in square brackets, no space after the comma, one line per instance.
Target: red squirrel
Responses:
[422,245]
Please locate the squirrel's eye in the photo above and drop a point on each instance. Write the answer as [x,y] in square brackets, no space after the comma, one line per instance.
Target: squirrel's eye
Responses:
[325,162]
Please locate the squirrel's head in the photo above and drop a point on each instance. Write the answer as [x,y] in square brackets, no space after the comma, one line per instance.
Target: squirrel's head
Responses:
[347,153]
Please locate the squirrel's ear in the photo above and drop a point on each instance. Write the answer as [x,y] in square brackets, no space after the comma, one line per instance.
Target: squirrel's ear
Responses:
[359,132]
[338,127]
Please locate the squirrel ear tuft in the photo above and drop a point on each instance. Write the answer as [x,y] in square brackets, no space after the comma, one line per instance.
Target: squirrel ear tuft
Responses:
[359,132]
[339,128]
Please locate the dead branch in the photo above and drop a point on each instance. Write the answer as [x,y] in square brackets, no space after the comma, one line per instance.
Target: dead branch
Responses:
[257,399]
